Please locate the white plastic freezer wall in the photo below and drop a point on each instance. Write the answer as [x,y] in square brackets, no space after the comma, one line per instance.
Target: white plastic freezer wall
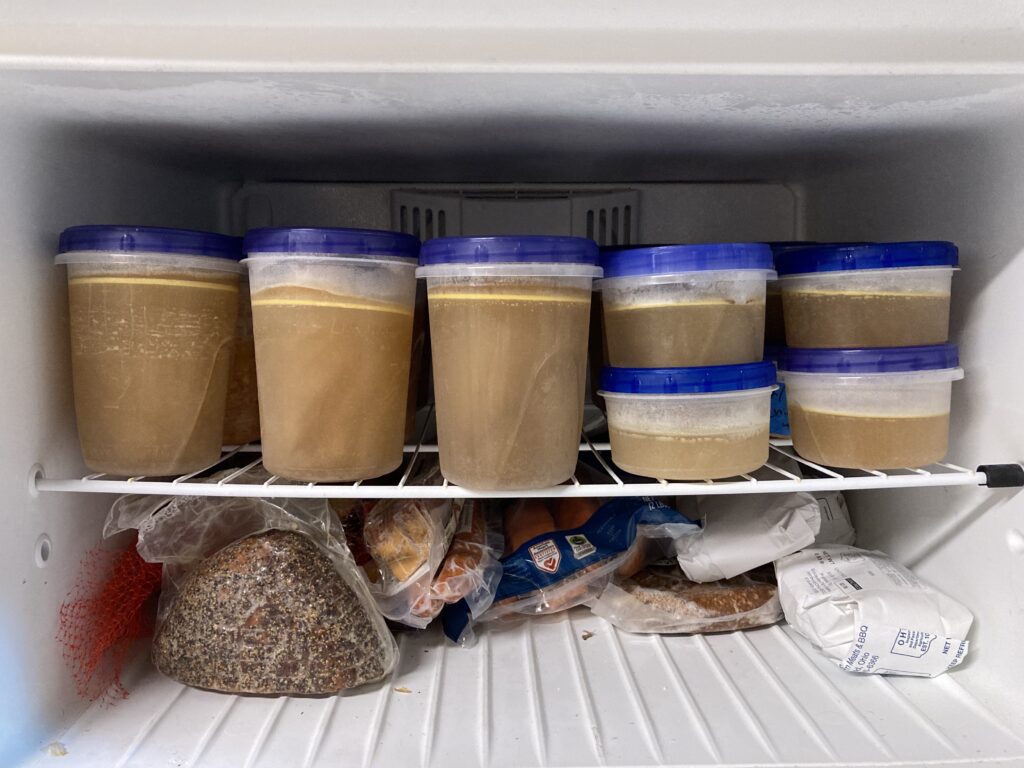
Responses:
[874,120]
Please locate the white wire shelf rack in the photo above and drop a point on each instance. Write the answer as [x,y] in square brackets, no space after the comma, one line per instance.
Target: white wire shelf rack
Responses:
[597,476]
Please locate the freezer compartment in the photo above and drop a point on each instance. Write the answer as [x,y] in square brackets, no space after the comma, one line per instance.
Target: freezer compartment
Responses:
[712,156]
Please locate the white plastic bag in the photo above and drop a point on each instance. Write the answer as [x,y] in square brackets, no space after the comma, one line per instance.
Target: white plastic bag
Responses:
[870,614]
[836,527]
[744,532]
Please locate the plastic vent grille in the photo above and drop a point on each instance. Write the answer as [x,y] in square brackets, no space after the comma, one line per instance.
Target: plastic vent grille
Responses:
[609,217]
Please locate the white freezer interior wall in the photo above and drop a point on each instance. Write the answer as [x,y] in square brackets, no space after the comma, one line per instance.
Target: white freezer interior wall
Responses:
[54,178]
[969,542]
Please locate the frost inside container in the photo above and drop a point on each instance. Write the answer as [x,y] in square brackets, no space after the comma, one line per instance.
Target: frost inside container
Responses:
[884,408]
[509,318]
[152,315]
[867,295]
[332,321]
[696,423]
[685,305]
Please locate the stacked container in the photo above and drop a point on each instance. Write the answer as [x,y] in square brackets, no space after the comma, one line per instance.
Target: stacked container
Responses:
[868,371]
[687,396]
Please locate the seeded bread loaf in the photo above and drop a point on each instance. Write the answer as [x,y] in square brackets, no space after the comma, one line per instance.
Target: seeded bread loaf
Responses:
[270,614]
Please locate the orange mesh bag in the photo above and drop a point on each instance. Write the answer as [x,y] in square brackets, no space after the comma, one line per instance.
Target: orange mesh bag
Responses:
[110,607]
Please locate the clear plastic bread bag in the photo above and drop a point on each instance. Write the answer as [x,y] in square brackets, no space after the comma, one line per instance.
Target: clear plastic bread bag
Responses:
[660,599]
[188,533]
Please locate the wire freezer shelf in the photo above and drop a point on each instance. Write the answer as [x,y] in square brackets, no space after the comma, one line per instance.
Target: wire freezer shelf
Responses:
[774,477]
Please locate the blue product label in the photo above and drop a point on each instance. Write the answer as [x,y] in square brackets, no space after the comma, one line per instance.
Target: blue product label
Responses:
[454,620]
[779,425]
[550,558]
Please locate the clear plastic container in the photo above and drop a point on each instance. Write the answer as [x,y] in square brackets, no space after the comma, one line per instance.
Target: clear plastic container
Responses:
[867,295]
[685,305]
[698,423]
[332,321]
[509,318]
[152,314]
[242,410]
[870,408]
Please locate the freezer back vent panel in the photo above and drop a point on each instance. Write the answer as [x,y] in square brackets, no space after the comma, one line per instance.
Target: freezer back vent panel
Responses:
[564,690]
[610,217]
[635,213]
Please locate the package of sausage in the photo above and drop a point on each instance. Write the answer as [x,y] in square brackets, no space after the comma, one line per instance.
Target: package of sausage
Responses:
[562,553]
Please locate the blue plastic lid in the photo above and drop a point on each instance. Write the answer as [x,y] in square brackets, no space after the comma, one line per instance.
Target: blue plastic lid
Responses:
[126,239]
[532,249]
[878,360]
[331,241]
[849,256]
[687,381]
[669,259]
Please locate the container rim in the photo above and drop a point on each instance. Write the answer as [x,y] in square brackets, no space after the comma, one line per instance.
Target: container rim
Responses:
[847,257]
[156,259]
[131,239]
[698,257]
[510,269]
[688,381]
[724,395]
[328,259]
[509,249]
[866,361]
[330,241]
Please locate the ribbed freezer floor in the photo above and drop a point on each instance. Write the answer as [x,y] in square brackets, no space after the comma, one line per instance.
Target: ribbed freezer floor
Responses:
[548,692]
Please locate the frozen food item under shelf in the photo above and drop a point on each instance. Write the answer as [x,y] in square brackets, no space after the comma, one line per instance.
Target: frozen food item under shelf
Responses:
[685,305]
[870,614]
[508,329]
[870,408]
[660,599]
[867,295]
[152,324]
[242,409]
[332,321]
[258,597]
[689,423]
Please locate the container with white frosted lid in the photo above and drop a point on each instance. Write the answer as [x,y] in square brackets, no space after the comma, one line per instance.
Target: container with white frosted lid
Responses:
[332,312]
[509,319]
[881,408]
[152,315]
[685,305]
[867,294]
[696,423]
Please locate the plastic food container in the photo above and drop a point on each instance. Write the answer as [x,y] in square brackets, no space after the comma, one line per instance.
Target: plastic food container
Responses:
[332,317]
[774,321]
[152,315]
[779,426]
[867,295]
[685,305]
[698,423]
[242,410]
[870,408]
[508,331]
